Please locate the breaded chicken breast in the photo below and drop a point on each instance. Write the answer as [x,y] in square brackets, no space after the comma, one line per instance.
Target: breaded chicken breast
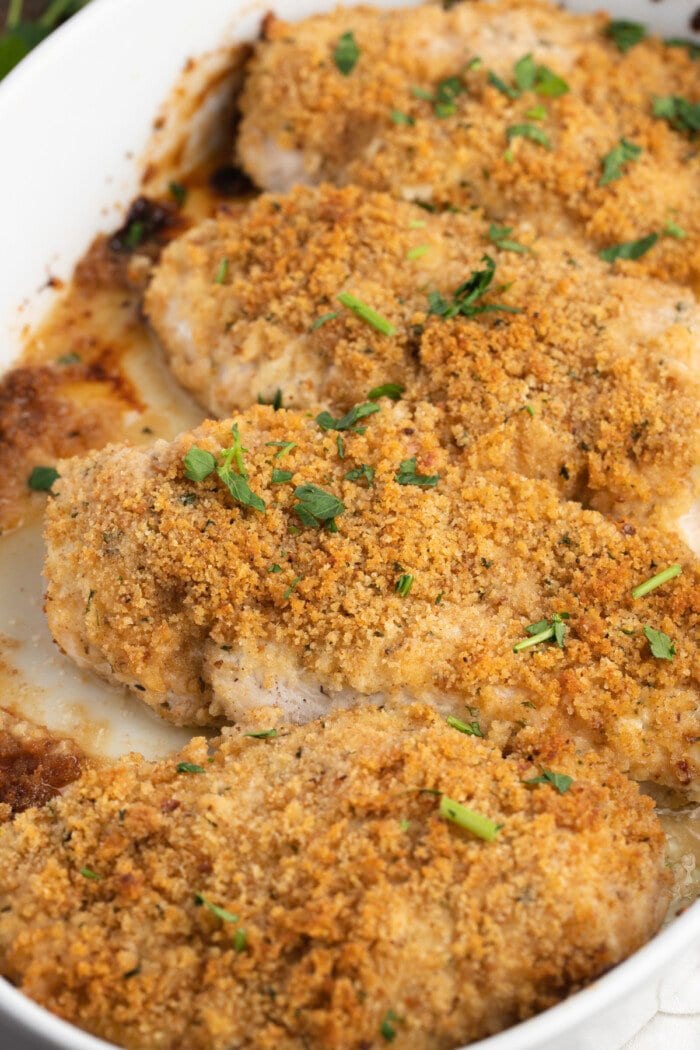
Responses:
[323,888]
[516,106]
[286,566]
[576,372]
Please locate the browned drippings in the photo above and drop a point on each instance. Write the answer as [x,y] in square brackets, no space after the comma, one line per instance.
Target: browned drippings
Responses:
[34,766]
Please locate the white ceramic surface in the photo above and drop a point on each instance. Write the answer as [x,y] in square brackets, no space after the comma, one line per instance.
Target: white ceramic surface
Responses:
[74,118]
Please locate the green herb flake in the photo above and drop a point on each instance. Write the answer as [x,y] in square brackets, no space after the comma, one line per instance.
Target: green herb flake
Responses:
[465,298]
[629,249]
[560,781]
[178,192]
[316,507]
[529,131]
[625,35]
[240,941]
[680,113]
[407,474]
[390,390]
[549,85]
[672,229]
[525,73]
[283,447]
[403,585]
[397,117]
[275,402]
[367,314]
[189,767]
[265,734]
[68,359]
[418,252]
[221,913]
[346,53]
[88,873]
[660,644]
[465,818]
[275,568]
[280,476]
[41,479]
[323,319]
[544,631]
[470,728]
[292,587]
[614,162]
[500,236]
[657,581]
[340,446]
[363,472]
[221,272]
[199,464]
[537,113]
[690,46]
[386,1028]
[500,85]
[347,422]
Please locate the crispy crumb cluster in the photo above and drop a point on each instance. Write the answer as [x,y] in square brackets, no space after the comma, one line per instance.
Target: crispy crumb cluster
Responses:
[304,890]
[420,114]
[592,382]
[174,588]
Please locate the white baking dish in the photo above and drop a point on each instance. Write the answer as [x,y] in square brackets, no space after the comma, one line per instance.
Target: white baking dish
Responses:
[74,118]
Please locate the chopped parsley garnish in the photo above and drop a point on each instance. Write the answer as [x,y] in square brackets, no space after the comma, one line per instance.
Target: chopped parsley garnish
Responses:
[465,818]
[465,296]
[672,229]
[386,1028]
[292,587]
[265,734]
[280,476]
[391,390]
[340,445]
[404,584]
[529,131]
[544,631]
[221,913]
[330,316]
[625,34]
[363,472]
[316,507]
[88,873]
[178,192]
[276,401]
[560,781]
[367,314]
[656,581]
[537,113]
[614,162]
[470,728]
[681,114]
[199,464]
[41,479]
[407,474]
[189,767]
[500,85]
[283,447]
[346,53]
[500,236]
[347,422]
[629,249]
[660,644]
[691,47]
[531,77]
[237,483]
[68,359]
[275,568]
[240,941]
[443,98]
[418,252]
[222,272]
[398,117]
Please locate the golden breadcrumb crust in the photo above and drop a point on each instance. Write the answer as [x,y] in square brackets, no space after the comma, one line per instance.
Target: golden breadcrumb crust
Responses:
[306,121]
[361,906]
[160,582]
[605,364]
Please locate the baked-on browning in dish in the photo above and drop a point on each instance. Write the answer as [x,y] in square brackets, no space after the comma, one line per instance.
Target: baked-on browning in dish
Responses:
[305,891]
[376,569]
[584,375]
[34,764]
[513,106]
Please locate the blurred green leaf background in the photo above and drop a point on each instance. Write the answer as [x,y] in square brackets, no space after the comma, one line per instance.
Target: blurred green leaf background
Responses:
[25,23]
